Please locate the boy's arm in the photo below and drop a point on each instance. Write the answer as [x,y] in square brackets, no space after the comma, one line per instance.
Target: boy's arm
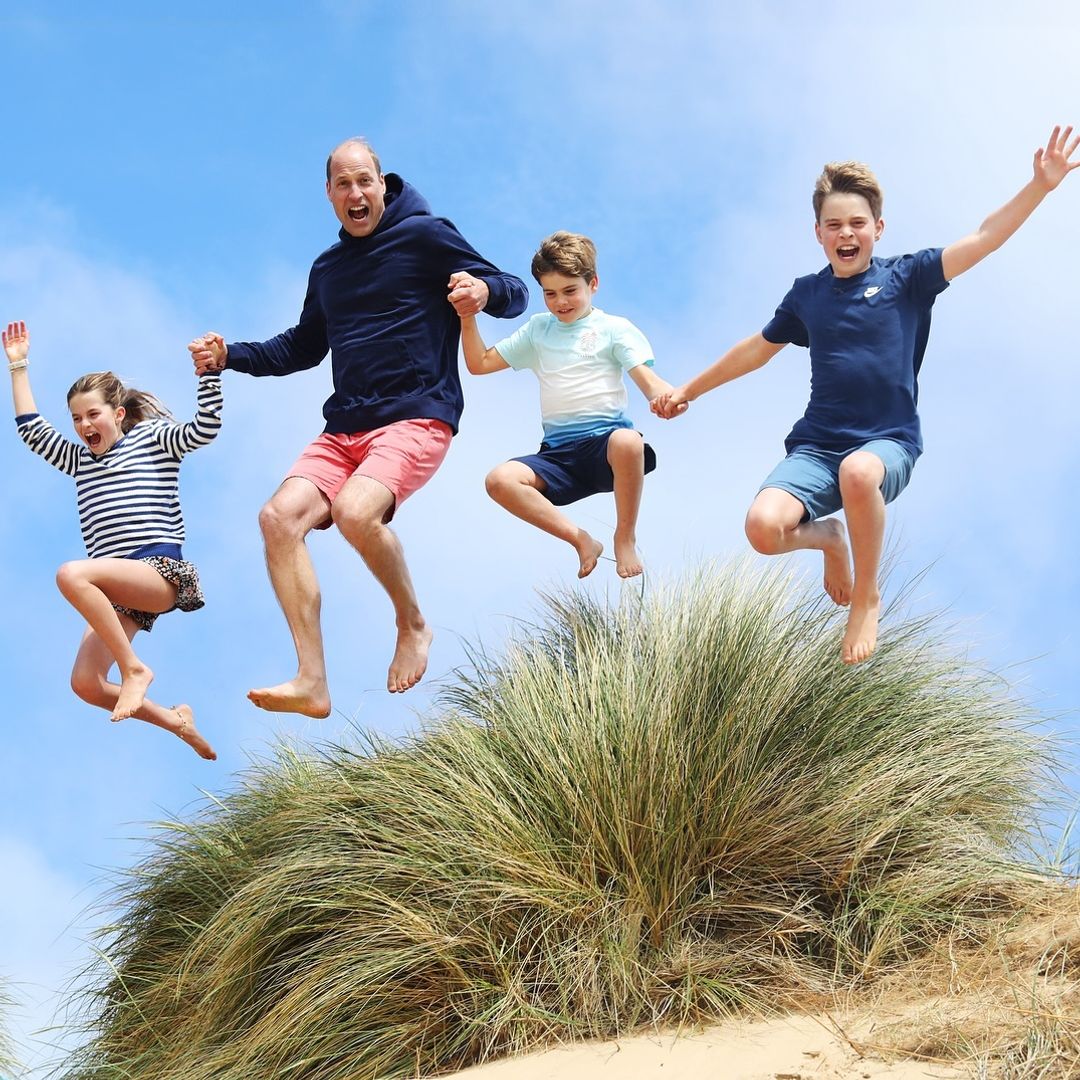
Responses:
[16,340]
[1051,166]
[479,359]
[748,355]
[649,383]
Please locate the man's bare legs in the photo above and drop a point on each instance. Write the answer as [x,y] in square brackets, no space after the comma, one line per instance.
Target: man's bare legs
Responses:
[89,679]
[626,456]
[359,512]
[861,476]
[292,512]
[515,487]
[92,586]
[774,526]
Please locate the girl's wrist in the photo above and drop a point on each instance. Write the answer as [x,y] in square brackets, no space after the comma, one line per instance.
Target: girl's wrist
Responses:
[18,365]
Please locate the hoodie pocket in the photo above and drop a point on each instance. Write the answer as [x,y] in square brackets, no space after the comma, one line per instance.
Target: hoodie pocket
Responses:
[377,372]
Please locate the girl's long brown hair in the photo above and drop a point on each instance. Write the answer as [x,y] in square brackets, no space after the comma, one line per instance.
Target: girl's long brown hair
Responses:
[138,404]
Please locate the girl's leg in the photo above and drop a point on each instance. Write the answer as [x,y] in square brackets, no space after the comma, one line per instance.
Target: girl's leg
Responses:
[89,680]
[92,586]
[626,456]
[515,487]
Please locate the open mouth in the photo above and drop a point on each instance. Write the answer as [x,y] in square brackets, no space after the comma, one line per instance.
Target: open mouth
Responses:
[93,440]
[848,251]
[358,213]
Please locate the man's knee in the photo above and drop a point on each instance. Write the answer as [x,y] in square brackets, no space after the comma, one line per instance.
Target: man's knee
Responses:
[357,523]
[280,520]
[861,473]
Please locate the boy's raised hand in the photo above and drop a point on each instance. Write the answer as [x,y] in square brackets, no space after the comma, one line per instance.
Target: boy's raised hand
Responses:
[1052,164]
[16,341]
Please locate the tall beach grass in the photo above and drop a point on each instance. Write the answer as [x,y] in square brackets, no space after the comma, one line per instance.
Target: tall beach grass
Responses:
[660,811]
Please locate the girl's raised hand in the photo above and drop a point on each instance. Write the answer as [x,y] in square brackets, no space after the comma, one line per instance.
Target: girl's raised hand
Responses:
[16,341]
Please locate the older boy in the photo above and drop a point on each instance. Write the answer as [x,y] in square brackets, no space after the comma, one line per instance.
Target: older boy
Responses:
[579,354]
[866,322]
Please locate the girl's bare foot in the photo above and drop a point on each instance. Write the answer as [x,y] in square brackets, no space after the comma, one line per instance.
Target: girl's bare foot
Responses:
[589,552]
[838,582]
[309,697]
[187,731]
[132,692]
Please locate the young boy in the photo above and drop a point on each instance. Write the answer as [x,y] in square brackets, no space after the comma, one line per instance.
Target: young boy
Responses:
[579,354]
[866,322]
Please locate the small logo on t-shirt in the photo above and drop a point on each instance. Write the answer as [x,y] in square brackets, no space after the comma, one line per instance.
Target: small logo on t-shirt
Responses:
[872,291]
[588,343]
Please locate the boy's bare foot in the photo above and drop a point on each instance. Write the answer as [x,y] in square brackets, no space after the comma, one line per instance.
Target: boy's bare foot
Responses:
[309,697]
[410,659]
[589,551]
[186,730]
[860,637]
[627,560]
[133,689]
[838,581]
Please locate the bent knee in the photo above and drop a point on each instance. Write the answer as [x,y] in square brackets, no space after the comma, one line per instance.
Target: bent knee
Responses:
[626,443]
[67,576]
[356,525]
[279,522]
[861,472]
[503,478]
[765,532]
[88,685]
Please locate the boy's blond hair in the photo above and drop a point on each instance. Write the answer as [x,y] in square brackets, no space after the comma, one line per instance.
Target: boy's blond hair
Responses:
[565,253]
[848,178]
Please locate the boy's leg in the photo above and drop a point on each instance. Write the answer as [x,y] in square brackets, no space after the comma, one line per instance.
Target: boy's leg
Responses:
[861,476]
[296,508]
[92,586]
[89,679]
[626,456]
[515,487]
[774,526]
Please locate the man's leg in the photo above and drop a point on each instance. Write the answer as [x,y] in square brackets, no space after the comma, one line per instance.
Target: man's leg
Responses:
[861,477]
[359,512]
[515,487]
[774,526]
[293,511]
[626,456]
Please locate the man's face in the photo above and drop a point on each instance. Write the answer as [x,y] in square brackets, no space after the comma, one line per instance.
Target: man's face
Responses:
[356,190]
[846,229]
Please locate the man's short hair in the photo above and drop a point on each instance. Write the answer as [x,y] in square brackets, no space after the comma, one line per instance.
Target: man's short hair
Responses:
[848,178]
[565,253]
[353,140]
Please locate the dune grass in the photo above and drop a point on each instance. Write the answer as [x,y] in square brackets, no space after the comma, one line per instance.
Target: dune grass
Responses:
[8,1064]
[663,811]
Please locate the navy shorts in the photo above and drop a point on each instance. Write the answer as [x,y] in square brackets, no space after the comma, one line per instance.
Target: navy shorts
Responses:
[575,470]
[813,475]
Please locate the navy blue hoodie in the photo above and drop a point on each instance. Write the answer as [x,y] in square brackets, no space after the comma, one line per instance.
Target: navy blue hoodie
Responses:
[378,303]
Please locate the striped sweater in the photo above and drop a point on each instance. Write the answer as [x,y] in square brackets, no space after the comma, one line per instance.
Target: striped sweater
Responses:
[129,497]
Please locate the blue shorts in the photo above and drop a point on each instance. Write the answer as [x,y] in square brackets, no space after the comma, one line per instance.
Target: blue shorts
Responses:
[813,475]
[575,470]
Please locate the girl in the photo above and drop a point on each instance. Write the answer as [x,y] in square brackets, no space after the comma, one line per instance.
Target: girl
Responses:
[126,469]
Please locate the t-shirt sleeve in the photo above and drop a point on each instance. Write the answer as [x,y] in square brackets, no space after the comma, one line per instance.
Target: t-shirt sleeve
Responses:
[925,274]
[518,350]
[785,327]
[630,346]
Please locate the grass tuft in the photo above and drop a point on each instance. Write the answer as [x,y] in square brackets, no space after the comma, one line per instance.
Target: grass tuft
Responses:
[665,811]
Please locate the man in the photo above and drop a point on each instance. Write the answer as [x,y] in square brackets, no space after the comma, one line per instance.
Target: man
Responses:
[378,301]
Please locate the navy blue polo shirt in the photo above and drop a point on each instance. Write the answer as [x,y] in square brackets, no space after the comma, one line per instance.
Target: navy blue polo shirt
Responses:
[866,335]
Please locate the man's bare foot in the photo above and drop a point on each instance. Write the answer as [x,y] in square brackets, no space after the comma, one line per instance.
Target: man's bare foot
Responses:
[410,659]
[133,689]
[187,731]
[627,560]
[309,697]
[589,551]
[860,637]
[837,563]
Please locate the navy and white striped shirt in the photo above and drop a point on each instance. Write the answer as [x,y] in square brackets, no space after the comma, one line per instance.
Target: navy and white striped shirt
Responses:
[129,497]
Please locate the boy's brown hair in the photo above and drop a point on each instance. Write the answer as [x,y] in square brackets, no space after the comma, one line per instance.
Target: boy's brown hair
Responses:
[565,253]
[848,178]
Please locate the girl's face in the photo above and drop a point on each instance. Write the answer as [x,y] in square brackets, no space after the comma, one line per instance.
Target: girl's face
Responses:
[96,422]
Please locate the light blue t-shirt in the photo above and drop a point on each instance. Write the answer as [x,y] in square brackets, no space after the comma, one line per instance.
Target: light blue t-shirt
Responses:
[580,366]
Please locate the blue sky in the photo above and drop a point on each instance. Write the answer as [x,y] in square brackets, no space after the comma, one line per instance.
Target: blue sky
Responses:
[164,176]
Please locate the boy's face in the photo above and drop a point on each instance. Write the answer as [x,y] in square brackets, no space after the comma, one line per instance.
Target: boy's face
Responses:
[568,298]
[847,231]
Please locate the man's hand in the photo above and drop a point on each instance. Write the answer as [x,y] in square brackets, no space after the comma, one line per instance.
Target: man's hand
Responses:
[16,342]
[468,294]
[209,353]
[668,406]
[1052,164]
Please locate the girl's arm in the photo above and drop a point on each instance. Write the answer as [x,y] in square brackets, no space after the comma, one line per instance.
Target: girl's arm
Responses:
[17,346]
[180,439]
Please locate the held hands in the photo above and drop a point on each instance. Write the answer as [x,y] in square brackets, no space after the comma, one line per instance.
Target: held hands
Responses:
[671,404]
[16,345]
[468,295]
[209,353]
[1052,164]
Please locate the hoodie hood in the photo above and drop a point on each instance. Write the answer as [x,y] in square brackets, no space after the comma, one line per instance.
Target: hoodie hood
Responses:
[402,201]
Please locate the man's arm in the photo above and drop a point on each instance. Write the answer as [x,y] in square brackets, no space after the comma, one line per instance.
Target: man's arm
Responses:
[479,359]
[475,284]
[748,355]
[1051,166]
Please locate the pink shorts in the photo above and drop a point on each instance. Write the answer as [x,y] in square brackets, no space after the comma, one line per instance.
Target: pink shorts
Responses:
[402,457]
